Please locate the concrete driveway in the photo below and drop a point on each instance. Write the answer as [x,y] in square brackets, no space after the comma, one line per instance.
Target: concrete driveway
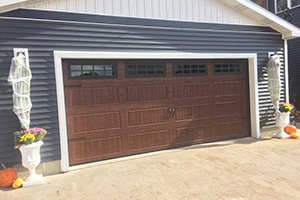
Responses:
[236,169]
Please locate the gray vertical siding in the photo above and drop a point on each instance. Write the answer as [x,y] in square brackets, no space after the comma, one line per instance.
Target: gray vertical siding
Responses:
[42,37]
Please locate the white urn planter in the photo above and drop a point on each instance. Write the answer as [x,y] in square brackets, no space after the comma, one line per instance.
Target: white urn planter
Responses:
[281,122]
[31,158]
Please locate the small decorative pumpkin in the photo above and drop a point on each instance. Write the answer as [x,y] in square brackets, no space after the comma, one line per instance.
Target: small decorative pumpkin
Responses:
[294,135]
[18,183]
[289,129]
[7,177]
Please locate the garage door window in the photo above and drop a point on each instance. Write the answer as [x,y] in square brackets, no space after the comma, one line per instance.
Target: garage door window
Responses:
[92,71]
[149,70]
[224,69]
[189,69]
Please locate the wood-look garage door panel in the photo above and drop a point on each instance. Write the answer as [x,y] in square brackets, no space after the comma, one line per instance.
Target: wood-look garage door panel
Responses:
[122,115]
[193,134]
[192,112]
[227,109]
[226,88]
[94,96]
[232,129]
[149,140]
[230,99]
[192,90]
[148,116]
[82,151]
[96,121]
[147,93]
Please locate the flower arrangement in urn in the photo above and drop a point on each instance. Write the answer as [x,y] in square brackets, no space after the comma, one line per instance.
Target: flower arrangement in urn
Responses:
[28,136]
[286,107]
[283,119]
[29,143]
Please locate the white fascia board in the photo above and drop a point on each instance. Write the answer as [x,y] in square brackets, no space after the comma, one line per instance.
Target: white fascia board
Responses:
[287,29]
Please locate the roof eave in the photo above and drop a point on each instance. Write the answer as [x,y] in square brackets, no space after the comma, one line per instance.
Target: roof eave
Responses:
[290,35]
[288,30]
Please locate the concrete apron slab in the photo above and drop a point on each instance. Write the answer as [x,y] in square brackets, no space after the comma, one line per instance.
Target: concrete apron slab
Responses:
[155,153]
[236,169]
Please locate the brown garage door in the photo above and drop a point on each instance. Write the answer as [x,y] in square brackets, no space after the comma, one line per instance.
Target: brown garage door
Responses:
[122,107]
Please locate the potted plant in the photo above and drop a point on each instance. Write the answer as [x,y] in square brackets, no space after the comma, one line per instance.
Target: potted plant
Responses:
[283,119]
[29,143]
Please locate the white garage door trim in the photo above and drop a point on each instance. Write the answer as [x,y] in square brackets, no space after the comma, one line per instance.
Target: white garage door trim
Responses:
[59,55]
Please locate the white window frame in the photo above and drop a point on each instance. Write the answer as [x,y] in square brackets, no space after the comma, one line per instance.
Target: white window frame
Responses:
[289,5]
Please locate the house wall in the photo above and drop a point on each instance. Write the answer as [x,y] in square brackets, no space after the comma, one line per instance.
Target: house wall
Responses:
[104,33]
[262,3]
[271,6]
[183,10]
[293,55]
[294,60]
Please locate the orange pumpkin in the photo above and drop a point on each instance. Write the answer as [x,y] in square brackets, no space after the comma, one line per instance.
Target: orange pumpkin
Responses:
[7,177]
[294,135]
[289,129]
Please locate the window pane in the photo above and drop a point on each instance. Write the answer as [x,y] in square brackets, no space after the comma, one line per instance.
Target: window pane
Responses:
[150,72]
[75,73]
[87,73]
[75,67]
[141,67]
[281,5]
[100,73]
[109,73]
[87,67]
[131,73]
[151,67]
[159,67]
[161,72]
[141,72]
[295,2]
[109,67]
[99,67]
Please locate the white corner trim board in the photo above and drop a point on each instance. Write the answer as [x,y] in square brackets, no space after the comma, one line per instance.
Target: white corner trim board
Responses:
[61,112]
[60,55]
[286,72]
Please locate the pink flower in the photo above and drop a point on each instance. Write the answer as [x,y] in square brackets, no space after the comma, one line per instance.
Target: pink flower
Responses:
[35,131]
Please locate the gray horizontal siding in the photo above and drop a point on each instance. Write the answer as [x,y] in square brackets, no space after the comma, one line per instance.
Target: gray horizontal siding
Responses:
[42,38]
[271,6]
[294,71]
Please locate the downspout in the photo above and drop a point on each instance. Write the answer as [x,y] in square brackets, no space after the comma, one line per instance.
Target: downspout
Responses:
[286,71]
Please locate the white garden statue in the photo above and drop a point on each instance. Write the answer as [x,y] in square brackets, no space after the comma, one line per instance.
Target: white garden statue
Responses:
[20,79]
